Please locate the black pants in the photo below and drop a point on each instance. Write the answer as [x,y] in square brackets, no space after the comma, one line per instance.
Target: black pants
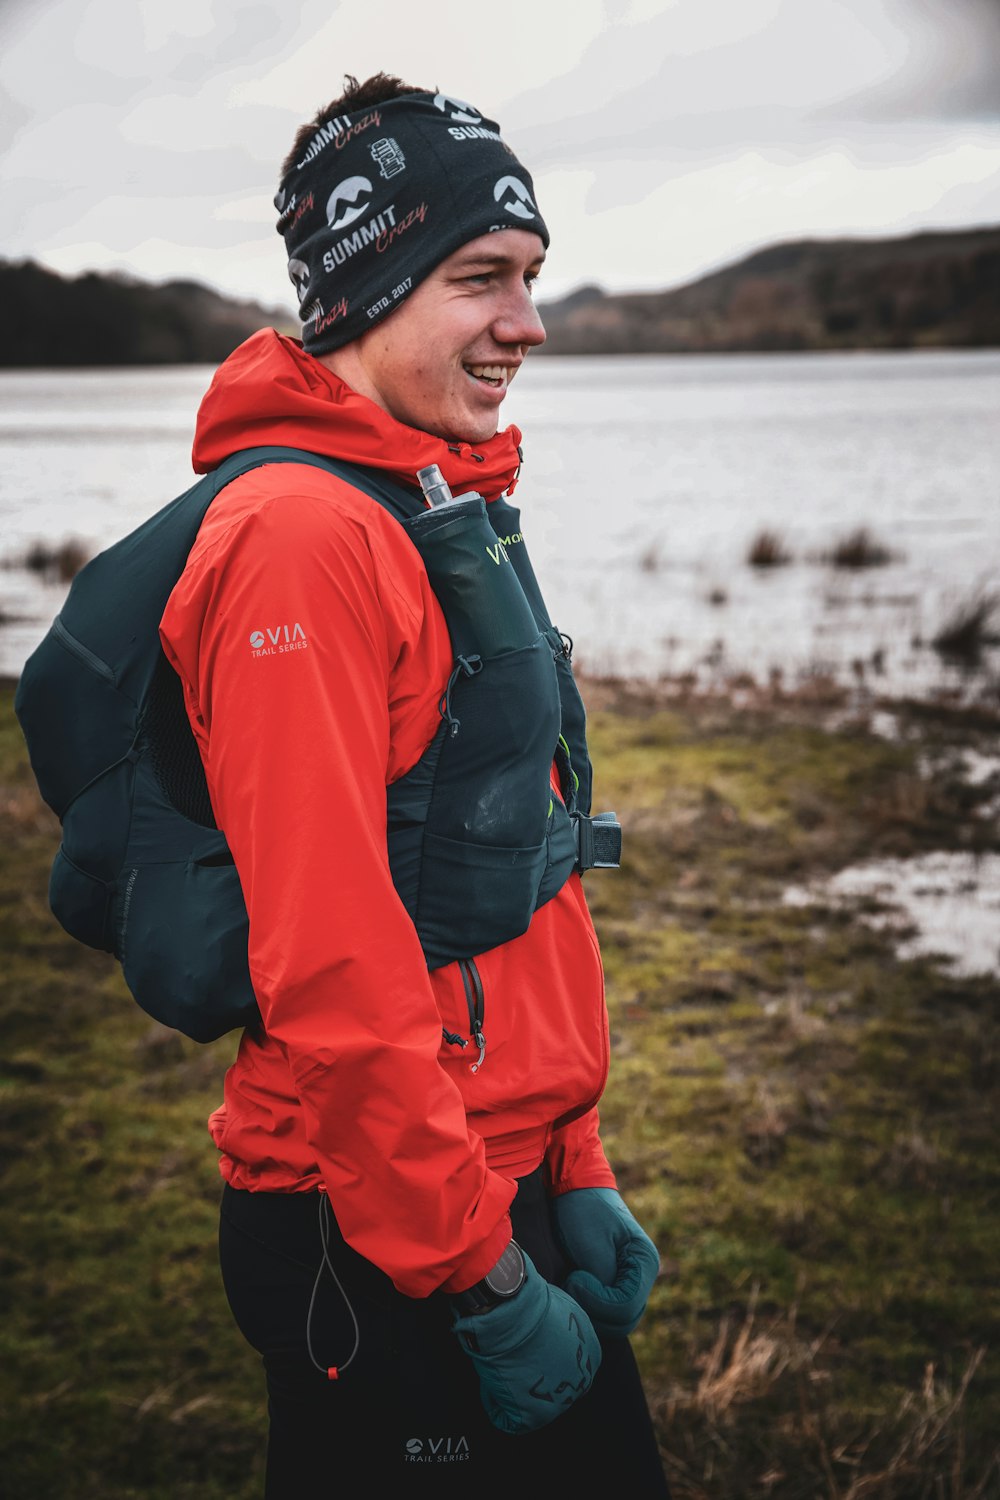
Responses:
[407,1409]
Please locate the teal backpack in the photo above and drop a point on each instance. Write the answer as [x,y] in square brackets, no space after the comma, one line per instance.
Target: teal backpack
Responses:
[143,871]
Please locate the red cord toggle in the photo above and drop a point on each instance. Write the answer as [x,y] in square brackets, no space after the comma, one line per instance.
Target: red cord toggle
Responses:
[333,1373]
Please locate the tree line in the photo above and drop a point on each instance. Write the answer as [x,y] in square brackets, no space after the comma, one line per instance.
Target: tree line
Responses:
[922,291]
[95,319]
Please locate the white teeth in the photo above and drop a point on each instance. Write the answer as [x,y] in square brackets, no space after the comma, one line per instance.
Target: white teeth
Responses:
[488,372]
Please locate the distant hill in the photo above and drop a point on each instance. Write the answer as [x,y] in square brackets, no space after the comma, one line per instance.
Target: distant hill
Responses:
[924,291]
[47,319]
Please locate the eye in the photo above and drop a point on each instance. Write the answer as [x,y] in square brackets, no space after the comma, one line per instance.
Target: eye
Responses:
[531,281]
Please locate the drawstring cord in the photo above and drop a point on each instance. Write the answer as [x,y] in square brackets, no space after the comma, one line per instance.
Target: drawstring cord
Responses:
[469,665]
[332,1372]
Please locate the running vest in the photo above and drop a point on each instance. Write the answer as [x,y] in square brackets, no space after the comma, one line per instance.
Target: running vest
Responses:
[476,841]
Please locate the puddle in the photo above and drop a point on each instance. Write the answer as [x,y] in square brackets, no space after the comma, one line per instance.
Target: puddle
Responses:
[979,768]
[975,768]
[945,905]
[884,725]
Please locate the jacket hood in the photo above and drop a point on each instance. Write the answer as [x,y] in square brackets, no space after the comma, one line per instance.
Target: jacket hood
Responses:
[270,391]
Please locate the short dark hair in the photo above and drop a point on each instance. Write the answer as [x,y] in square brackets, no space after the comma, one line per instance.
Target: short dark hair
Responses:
[377,89]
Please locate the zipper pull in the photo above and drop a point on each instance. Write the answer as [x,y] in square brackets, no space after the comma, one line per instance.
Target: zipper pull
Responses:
[476,1002]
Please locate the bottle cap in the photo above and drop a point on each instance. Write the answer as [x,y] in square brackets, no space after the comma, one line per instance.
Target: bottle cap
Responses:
[434,485]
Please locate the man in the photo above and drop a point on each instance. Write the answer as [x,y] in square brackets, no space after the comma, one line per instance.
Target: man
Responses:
[420,1231]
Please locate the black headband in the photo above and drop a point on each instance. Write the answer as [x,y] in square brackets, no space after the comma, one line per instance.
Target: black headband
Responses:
[380,197]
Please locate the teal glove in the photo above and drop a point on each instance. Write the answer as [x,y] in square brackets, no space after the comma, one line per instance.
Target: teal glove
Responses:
[534,1355]
[615,1261]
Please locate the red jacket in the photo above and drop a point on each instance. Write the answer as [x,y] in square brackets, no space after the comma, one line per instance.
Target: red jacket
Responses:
[313,655]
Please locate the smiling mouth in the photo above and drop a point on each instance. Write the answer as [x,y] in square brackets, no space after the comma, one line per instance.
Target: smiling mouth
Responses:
[497,377]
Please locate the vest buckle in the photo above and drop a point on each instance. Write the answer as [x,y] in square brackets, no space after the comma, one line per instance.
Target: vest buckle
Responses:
[598,841]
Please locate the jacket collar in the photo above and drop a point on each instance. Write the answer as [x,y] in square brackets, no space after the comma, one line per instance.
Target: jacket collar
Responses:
[270,391]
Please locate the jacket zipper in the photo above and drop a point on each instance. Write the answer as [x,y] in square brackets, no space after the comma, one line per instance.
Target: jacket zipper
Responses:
[477,1006]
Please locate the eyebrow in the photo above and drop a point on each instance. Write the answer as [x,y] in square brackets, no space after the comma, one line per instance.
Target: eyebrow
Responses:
[494,260]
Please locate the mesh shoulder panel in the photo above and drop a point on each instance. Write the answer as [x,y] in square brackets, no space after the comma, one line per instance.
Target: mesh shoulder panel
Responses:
[172,748]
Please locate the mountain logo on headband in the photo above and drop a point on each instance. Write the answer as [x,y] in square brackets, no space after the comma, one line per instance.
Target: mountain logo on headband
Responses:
[457,109]
[520,200]
[347,192]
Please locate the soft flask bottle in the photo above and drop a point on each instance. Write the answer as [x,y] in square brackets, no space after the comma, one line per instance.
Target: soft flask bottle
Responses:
[468,566]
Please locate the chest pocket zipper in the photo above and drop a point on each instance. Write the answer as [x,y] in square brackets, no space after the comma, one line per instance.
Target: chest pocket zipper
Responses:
[477,1007]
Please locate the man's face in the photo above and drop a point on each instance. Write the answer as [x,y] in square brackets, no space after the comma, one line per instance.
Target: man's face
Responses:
[442,362]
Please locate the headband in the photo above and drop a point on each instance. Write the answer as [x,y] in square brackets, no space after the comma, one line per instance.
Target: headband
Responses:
[380,197]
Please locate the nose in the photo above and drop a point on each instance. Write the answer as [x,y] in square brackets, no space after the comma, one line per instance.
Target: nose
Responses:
[517,321]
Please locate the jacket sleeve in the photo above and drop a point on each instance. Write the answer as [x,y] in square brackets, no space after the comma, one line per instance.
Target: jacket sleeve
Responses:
[288,649]
[575,1157]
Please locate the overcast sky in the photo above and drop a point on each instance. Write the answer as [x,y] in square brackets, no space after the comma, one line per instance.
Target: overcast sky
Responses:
[665,137]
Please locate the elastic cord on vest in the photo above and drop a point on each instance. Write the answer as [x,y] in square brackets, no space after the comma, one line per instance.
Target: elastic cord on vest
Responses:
[332,1372]
[469,665]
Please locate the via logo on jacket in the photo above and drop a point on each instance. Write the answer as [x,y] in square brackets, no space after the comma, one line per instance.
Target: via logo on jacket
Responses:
[274,641]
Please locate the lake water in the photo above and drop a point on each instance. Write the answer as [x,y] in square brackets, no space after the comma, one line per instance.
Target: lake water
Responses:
[645,482]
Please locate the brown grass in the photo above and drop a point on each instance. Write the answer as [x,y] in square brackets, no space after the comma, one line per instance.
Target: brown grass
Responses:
[57,562]
[767,550]
[969,628]
[859,549]
[916,1454]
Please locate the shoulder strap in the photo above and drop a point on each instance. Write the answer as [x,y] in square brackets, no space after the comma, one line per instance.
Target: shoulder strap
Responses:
[400,500]
[171,744]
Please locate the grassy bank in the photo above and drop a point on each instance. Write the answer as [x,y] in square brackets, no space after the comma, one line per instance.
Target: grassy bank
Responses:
[804,1122]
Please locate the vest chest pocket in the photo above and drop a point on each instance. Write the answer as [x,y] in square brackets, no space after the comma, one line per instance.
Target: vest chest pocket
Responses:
[484,846]
[476,840]
[476,895]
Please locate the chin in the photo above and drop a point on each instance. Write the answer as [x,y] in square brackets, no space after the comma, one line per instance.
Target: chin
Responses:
[479,429]
[468,430]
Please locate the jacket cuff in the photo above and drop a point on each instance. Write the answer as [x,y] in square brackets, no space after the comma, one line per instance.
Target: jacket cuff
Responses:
[475,1267]
[575,1157]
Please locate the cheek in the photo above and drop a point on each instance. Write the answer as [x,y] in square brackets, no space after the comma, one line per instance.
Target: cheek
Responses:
[433,370]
